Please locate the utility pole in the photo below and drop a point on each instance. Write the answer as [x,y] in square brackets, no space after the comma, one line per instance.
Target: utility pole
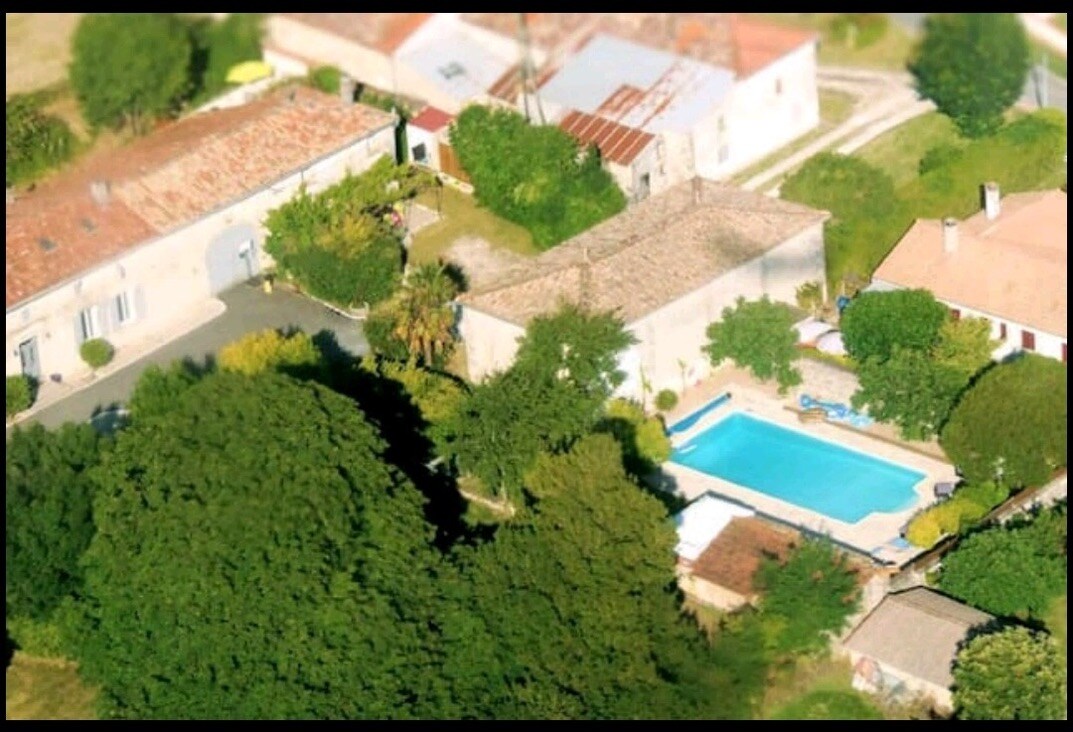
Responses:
[528,83]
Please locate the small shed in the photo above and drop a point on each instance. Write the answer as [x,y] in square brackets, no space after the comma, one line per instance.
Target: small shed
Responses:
[426,136]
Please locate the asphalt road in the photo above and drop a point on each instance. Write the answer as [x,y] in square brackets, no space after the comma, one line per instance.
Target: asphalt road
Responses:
[248,309]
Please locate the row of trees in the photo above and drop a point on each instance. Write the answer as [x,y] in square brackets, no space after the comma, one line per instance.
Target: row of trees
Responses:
[128,69]
[533,175]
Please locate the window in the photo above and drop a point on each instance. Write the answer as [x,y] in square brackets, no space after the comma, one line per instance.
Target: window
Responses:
[420,153]
[1002,331]
[451,70]
[124,313]
[245,248]
[89,322]
[955,314]
[778,87]
[1028,340]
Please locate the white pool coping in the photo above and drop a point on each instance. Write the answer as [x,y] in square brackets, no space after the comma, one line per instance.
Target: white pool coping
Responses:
[871,535]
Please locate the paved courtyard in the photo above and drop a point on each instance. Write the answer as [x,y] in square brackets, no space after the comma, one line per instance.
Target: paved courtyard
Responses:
[238,311]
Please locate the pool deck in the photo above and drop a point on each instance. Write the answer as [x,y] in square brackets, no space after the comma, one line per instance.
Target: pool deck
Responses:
[873,535]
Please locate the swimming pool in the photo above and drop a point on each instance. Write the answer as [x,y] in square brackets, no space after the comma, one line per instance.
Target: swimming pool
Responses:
[821,476]
[688,421]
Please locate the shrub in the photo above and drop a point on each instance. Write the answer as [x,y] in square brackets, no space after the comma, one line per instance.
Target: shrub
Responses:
[380,332]
[1010,426]
[809,297]
[875,322]
[325,78]
[269,349]
[40,638]
[666,400]
[941,156]
[988,494]
[35,141]
[924,530]
[533,175]
[97,352]
[643,439]
[859,30]
[20,394]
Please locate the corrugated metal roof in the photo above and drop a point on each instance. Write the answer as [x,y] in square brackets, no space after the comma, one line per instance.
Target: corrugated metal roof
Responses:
[617,143]
[638,86]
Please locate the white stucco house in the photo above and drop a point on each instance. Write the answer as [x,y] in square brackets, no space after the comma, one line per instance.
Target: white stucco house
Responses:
[1006,263]
[130,240]
[679,94]
[668,266]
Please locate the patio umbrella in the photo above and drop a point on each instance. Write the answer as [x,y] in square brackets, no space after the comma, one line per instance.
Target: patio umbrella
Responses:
[248,71]
[831,343]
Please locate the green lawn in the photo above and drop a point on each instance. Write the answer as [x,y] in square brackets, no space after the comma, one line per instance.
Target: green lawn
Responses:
[816,688]
[832,704]
[898,152]
[463,217]
[47,689]
[890,52]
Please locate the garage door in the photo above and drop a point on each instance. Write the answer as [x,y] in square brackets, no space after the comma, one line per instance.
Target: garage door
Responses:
[232,258]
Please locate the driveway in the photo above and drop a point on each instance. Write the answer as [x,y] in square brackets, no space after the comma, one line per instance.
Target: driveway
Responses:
[248,309]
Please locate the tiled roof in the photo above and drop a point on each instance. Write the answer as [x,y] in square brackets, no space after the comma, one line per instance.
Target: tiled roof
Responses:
[733,557]
[649,255]
[383,31]
[916,632]
[738,41]
[1013,267]
[617,143]
[431,119]
[169,178]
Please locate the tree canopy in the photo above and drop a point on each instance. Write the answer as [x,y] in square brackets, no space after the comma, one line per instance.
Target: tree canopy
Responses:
[127,68]
[875,322]
[1011,569]
[256,558]
[578,595]
[973,66]
[263,350]
[809,594]
[759,336]
[49,520]
[533,175]
[1011,424]
[1011,674]
[35,141]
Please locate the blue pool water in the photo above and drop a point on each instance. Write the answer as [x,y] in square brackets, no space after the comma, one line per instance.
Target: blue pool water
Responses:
[815,474]
[686,422]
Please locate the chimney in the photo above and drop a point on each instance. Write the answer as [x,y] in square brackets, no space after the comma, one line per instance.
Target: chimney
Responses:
[698,191]
[950,235]
[992,204]
[347,87]
[101,192]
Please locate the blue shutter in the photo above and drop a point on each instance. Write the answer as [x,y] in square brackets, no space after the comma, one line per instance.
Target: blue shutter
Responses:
[140,307]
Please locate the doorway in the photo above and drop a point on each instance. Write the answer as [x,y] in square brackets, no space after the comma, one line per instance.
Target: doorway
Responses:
[31,366]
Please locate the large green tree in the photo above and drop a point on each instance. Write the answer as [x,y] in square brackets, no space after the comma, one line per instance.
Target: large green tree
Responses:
[973,66]
[49,521]
[808,595]
[578,595]
[1016,568]
[257,559]
[1012,674]
[875,322]
[127,68]
[534,175]
[565,369]
[757,335]
[1011,425]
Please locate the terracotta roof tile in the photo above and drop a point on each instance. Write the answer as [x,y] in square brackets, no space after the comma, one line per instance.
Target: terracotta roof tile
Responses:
[431,119]
[734,556]
[171,177]
[1013,267]
[651,254]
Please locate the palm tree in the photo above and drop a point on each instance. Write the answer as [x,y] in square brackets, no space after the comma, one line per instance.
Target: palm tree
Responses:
[424,316]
